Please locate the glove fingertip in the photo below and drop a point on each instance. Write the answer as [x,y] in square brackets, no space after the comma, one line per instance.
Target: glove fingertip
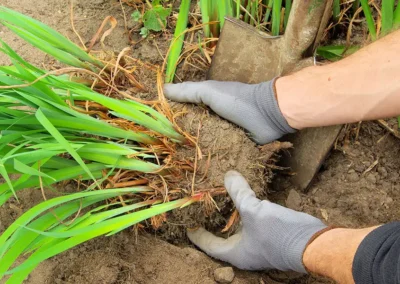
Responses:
[240,191]
[182,92]
[234,181]
[203,239]
[169,89]
[231,177]
[195,234]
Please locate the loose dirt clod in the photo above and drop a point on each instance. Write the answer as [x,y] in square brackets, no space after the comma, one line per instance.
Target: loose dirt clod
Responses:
[225,147]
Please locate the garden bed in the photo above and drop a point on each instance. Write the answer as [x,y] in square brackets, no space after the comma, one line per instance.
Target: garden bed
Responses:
[344,193]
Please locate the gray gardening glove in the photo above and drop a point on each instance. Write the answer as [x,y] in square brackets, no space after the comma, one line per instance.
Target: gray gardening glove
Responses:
[253,107]
[272,236]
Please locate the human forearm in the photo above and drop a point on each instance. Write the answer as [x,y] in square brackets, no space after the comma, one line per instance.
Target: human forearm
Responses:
[363,86]
[332,254]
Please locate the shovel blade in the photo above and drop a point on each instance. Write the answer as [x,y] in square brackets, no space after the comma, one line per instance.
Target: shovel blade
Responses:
[244,54]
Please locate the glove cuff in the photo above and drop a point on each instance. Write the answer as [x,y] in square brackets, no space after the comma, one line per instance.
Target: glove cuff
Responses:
[298,243]
[313,238]
[267,103]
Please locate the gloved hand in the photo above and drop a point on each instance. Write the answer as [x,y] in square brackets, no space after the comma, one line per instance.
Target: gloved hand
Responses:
[271,237]
[253,107]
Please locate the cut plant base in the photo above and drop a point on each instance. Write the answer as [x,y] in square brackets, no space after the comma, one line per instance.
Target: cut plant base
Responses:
[224,147]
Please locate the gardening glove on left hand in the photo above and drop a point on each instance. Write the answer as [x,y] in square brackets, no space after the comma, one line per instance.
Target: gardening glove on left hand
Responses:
[251,106]
[272,236]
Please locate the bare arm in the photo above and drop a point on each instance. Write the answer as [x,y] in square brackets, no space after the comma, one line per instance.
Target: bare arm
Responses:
[363,86]
[332,253]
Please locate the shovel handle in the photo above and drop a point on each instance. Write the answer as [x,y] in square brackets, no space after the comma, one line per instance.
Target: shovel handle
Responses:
[305,23]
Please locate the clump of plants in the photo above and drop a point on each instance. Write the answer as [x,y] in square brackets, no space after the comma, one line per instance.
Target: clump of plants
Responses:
[56,127]
[371,19]
[268,15]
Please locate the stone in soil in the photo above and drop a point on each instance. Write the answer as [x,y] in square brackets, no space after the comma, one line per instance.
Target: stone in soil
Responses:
[371,178]
[224,274]
[293,200]
[353,177]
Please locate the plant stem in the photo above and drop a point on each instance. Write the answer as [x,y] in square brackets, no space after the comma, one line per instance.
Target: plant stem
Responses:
[369,18]
[276,17]
[387,16]
[268,11]
[356,4]
[336,10]
[288,8]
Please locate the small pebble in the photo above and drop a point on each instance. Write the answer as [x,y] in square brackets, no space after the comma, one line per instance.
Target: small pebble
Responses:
[353,177]
[359,168]
[293,200]
[224,275]
[224,125]
[382,171]
[371,178]
[389,200]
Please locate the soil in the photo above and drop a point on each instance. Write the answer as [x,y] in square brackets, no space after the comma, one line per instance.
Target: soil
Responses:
[357,186]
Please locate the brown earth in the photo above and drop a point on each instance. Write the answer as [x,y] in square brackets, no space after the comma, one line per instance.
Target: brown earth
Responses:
[347,191]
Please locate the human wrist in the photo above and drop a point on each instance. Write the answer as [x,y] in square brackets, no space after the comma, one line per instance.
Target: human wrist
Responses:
[332,253]
[264,98]
[302,97]
[296,243]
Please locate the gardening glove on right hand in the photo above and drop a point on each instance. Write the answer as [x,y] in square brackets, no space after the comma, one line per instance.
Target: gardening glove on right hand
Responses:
[251,106]
[271,237]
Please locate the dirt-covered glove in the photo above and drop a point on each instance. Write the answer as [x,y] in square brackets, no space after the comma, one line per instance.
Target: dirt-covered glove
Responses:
[271,237]
[251,106]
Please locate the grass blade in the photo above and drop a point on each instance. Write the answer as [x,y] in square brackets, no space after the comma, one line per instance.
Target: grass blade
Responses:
[387,16]
[288,8]
[369,18]
[60,55]
[7,238]
[269,10]
[276,17]
[205,16]
[336,10]
[396,17]
[335,52]
[25,169]
[356,5]
[44,32]
[177,43]
[58,136]
[237,8]
[246,15]
[254,13]
[22,243]
[103,228]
